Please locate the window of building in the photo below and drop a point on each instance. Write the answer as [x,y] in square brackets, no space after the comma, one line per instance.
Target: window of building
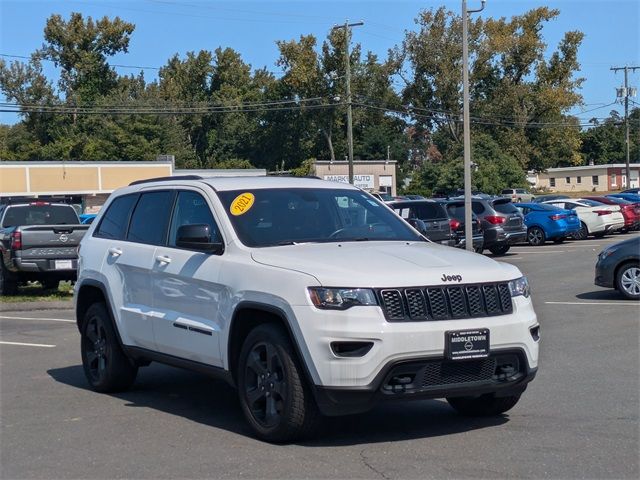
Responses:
[567,179]
[594,180]
[614,180]
[552,182]
[578,179]
[150,218]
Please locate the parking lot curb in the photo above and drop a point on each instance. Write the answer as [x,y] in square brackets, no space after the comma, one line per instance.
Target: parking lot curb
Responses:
[32,306]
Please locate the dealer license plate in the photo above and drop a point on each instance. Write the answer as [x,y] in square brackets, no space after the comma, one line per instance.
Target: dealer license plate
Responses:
[466,344]
[63,264]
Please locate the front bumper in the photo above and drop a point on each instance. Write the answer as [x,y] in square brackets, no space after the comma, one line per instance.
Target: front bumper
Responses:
[431,378]
[399,341]
[604,273]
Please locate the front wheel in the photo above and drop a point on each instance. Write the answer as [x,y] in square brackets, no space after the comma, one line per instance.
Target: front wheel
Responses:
[483,406]
[628,281]
[274,397]
[499,249]
[105,365]
[583,233]
[536,236]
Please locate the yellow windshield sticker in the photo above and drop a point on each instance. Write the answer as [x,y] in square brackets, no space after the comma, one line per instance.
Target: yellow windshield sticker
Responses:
[242,204]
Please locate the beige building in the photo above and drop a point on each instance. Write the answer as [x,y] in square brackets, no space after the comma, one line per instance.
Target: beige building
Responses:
[589,178]
[89,183]
[374,175]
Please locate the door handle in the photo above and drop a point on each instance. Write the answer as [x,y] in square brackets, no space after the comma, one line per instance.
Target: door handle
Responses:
[115,251]
[163,259]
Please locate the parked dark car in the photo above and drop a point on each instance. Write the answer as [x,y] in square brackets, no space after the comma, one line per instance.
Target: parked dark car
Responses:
[38,241]
[502,223]
[618,267]
[455,210]
[546,198]
[433,214]
[632,190]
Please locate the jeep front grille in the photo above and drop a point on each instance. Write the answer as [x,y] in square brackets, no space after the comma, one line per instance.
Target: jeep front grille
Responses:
[446,302]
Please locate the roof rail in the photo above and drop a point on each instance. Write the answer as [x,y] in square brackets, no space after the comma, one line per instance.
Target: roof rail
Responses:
[167,179]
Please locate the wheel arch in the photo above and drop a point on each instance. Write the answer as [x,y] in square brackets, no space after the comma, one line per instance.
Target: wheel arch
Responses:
[89,292]
[620,265]
[248,315]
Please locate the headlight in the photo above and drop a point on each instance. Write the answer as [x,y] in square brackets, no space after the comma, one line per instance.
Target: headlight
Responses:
[520,286]
[606,252]
[341,298]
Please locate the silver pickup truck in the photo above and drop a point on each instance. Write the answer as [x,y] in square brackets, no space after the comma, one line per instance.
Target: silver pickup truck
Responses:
[38,241]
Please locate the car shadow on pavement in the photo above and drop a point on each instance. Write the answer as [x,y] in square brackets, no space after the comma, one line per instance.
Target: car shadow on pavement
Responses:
[214,403]
[609,294]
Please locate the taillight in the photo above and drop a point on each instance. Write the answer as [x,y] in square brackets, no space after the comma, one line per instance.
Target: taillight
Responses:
[557,217]
[16,240]
[495,219]
[602,212]
[455,224]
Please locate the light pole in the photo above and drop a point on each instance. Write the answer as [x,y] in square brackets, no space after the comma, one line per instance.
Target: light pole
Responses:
[468,235]
[347,38]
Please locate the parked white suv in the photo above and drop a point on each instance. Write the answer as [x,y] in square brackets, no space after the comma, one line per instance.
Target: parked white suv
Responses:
[311,297]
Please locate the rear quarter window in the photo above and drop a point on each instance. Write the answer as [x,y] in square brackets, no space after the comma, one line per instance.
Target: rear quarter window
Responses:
[115,221]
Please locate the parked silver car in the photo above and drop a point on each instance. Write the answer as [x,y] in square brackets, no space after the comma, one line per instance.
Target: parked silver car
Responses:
[519,195]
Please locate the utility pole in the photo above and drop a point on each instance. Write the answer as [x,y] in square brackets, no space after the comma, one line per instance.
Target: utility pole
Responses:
[626,93]
[347,38]
[468,225]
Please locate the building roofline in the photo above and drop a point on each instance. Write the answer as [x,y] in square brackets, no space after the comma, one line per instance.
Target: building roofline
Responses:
[590,167]
[355,162]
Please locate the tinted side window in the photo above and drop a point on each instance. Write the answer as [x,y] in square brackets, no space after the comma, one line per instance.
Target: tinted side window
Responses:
[477,207]
[428,211]
[192,209]
[114,223]
[151,218]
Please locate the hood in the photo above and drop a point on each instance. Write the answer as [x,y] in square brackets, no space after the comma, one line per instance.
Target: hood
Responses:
[386,264]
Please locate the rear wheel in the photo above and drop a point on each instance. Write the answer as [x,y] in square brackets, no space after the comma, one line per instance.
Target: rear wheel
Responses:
[628,281]
[8,285]
[499,249]
[536,236]
[274,397]
[105,365]
[484,405]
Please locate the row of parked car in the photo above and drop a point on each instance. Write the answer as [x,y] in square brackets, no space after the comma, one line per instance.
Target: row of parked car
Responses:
[499,222]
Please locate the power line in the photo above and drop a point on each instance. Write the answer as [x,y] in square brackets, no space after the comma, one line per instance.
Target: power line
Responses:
[140,67]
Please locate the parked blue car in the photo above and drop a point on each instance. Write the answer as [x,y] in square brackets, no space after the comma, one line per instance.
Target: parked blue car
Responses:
[546,222]
[631,197]
[87,218]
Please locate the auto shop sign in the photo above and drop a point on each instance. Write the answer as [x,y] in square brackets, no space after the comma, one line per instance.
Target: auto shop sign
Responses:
[360,181]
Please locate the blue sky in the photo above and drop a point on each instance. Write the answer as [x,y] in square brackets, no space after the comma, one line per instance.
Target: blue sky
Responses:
[166,27]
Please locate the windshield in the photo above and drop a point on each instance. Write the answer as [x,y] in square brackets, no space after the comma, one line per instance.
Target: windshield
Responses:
[40,214]
[544,206]
[270,217]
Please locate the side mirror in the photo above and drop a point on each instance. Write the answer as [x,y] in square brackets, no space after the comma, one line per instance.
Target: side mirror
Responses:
[419,225]
[198,237]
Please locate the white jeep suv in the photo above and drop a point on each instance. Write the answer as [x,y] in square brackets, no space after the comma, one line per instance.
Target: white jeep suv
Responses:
[311,297]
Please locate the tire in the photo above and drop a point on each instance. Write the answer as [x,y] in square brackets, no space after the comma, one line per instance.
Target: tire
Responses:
[559,240]
[536,236]
[628,280]
[50,284]
[8,286]
[274,397]
[583,233]
[499,249]
[105,365]
[483,406]
[478,250]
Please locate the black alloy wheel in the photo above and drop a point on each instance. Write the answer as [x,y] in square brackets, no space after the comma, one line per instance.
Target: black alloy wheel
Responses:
[536,236]
[265,384]
[274,395]
[105,365]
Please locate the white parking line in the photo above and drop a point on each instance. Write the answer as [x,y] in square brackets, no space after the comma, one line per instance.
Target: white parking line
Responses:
[27,344]
[41,319]
[541,251]
[628,304]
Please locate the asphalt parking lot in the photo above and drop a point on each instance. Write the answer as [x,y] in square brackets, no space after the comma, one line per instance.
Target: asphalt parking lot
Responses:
[578,419]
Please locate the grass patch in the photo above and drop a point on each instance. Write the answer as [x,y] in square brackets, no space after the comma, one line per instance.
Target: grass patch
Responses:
[34,292]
